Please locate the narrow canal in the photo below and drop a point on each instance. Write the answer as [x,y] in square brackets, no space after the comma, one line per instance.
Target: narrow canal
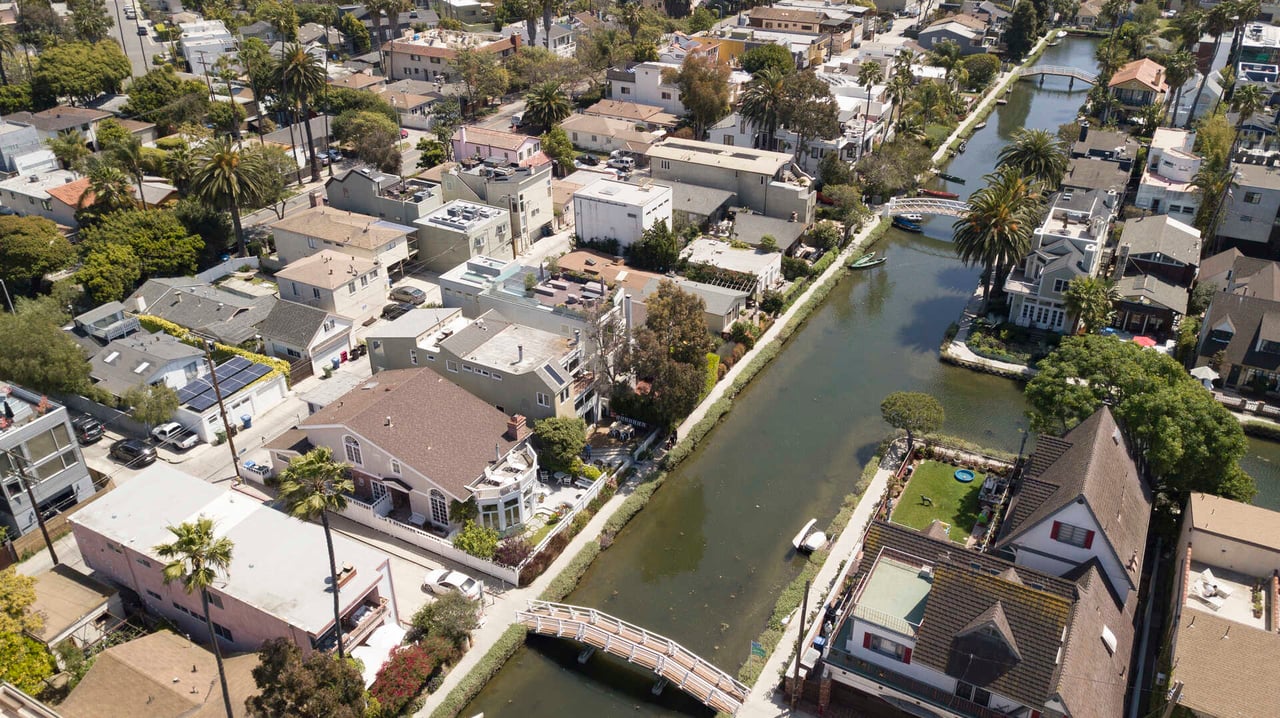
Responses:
[704,563]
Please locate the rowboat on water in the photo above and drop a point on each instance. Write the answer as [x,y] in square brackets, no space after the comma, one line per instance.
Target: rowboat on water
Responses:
[979,126]
[964,145]
[809,540]
[903,224]
[1002,101]
[941,194]
[951,178]
[912,217]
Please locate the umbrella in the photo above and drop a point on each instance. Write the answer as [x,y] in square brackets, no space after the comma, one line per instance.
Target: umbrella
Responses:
[1144,341]
[1204,373]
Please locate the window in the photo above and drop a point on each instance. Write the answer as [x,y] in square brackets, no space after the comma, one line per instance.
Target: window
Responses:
[466,368]
[973,693]
[395,467]
[294,353]
[143,562]
[154,595]
[1060,285]
[1073,535]
[511,511]
[1253,198]
[215,600]
[666,95]
[885,647]
[439,508]
[116,548]
[728,140]
[351,287]
[1188,209]
[311,242]
[352,447]
[626,90]
[451,365]
[664,164]
[364,281]
[543,399]
[295,289]
[1175,208]
[413,357]
[315,291]
[13,488]
[497,376]
[222,632]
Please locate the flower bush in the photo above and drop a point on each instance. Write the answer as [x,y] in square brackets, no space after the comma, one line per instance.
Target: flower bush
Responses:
[403,676]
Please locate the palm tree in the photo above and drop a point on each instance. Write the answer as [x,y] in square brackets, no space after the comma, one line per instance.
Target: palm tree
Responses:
[869,73]
[1247,101]
[901,80]
[109,188]
[946,54]
[301,77]
[8,43]
[1216,22]
[912,127]
[1246,11]
[312,486]
[180,167]
[197,557]
[1214,183]
[1188,27]
[127,155]
[997,228]
[631,17]
[762,102]
[1091,302]
[545,105]
[549,8]
[1179,67]
[70,149]
[229,179]
[1039,154]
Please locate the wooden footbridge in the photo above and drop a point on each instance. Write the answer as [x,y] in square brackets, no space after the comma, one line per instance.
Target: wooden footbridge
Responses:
[1074,73]
[925,205]
[677,664]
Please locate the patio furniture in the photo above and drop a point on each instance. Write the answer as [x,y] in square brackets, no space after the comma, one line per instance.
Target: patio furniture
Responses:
[582,483]
[417,519]
[1214,602]
[1212,583]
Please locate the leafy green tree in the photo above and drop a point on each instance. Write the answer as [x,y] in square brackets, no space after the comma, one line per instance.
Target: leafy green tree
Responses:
[31,247]
[70,148]
[452,617]
[229,179]
[893,167]
[197,558]
[8,43]
[282,16]
[847,206]
[763,103]
[676,318]
[834,170]
[1091,301]
[152,404]
[995,231]
[356,32]
[39,25]
[372,137]
[321,686]
[658,249]
[701,20]
[982,69]
[479,541]
[23,662]
[446,117]
[79,70]
[160,96]
[226,117]
[432,153]
[560,441]
[37,354]
[914,412]
[90,20]
[109,191]
[1020,34]
[109,271]
[162,244]
[673,387]
[1201,296]
[312,486]
[1038,154]
[16,97]
[769,55]
[704,91]
[1188,440]
[482,76]
[546,105]
[559,148]
[824,235]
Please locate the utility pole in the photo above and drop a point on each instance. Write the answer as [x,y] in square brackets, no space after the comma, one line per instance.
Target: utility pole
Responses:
[795,685]
[222,408]
[1174,695]
[20,462]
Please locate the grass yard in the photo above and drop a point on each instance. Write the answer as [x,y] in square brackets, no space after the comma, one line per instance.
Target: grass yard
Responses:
[954,503]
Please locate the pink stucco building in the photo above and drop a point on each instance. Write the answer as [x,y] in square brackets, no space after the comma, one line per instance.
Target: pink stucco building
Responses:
[478,142]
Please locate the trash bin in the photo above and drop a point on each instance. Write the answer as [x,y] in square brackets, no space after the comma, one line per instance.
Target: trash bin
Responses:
[246,420]
[336,362]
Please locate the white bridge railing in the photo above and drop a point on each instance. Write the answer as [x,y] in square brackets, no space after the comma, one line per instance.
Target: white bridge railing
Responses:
[925,205]
[1060,71]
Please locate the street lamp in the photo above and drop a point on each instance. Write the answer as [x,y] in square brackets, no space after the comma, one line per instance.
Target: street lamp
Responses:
[222,408]
[19,462]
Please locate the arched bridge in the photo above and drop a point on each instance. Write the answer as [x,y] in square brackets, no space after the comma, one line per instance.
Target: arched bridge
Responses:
[683,668]
[1074,73]
[925,205]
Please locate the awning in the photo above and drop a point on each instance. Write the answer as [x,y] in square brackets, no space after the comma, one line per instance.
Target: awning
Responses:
[1204,373]
[1145,341]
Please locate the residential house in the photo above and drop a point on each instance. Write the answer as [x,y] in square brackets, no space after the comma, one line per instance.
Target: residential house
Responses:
[643,84]
[139,678]
[1155,266]
[1252,208]
[19,145]
[1166,186]
[144,359]
[605,134]
[968,32]
[1068,245]
[1139,83]
[277,585]
[39,431]
[651,117]
[1118,147]
[353,288]
[470,141]
[261,30]
[1224,655]
[204,42]
[1088,13]
[63,118]
[248,389]
[358,81]
[693,206]
[413,109]
[402,343]
[75,608]
[1260,44]
[106,322]
[467,12]
[523,190]
[751,228]
[609,210]
[361,236]
[681,47]
[753,270]
[1232,271]
[409,465]
[308,337]
[460,230]
[807,50]
[53,195]
[721,305]
[367,191]
[207,310]
[429,55]
[1092,174]
[311,34]
[764,181]
[994,15]
[1240,339]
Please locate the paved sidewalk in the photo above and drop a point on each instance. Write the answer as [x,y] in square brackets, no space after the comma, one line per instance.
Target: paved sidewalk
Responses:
[959,350]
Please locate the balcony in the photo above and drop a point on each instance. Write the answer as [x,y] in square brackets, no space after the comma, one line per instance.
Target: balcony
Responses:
[359,623]
[910,686]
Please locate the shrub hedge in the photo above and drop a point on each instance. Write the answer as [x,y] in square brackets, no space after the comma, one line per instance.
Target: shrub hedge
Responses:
[488,666]
[1262,430]
[564,584]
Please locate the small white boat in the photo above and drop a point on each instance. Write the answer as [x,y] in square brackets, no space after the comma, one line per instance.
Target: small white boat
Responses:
[980,126]
[1062,34]
[809,540]
[912,217]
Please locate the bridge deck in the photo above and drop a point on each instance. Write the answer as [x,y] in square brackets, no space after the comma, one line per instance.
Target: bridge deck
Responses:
[1061,71]
[683,668]
[925,205]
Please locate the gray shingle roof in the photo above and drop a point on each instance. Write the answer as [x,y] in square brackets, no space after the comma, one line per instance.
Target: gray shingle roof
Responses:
[1162,235]
[1246,314]
[1150,289]
[292,323]
[135,359]
[201,307]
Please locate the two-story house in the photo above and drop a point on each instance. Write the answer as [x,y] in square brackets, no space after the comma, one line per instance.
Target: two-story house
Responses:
[643,83]
[312,230]
[403,342]
[1155,265]
[968,32]
[1240,340]
[524,190]
[1068,245]
[460,230]
[63,118]
[308,337]
[38,446]
[278,583]
[369,192]
[764,181]
[1139,84]
[429,55]
[209,311]
[1112,146]
[1166,186]
[350,287]
[53,195]
[651,117]
[1252,210]
[481,143]
[619,211]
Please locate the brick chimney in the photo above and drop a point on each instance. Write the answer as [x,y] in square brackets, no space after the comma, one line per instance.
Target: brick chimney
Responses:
[516,429]
[317,199]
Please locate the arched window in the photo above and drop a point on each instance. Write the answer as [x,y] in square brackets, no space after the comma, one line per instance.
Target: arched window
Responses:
[439,507]
[353,450]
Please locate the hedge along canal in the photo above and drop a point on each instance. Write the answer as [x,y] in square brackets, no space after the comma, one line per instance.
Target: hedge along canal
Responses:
[705,561]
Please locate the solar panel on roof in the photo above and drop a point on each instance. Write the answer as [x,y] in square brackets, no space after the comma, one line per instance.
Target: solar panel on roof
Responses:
[551,370]
[203,402]
[257,371]
[233,375]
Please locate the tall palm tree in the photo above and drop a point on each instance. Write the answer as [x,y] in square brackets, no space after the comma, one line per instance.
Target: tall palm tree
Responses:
[70,148]
[1039,154]
[301,77]
[1214,183]
[8,43]
[545,105]
[196,558]
[229,178]
[127,155]
[946,54]
[312,486]
[1189,27]
[109,188]
[762,102]
[549,8]
[1179,68]
[1246,11]
[869,73]
[912,127]
[631,17]
[1216,22]
[996,230]
[901,80]
[1248,100]
[180,167]
[1090,302]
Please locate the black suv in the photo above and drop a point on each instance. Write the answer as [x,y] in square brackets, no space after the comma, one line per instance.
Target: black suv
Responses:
[397,310]
[88,429]
[133,453]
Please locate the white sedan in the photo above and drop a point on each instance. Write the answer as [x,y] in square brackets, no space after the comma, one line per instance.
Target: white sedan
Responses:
[443,581]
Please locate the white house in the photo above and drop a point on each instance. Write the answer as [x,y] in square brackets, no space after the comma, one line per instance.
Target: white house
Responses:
[204,42]
[301,333]
[642,83]
[1166,186]
[351,287]
[248,389]
[757,270]
[612,210]
[357,235]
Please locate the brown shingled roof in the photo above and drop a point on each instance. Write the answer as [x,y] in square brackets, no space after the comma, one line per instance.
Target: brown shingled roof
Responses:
[1146,72]
[1092,679]
[71,193]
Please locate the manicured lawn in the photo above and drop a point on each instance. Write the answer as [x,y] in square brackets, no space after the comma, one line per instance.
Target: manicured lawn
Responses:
[954,503]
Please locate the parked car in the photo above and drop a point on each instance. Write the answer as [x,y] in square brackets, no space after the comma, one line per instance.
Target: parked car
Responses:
[133,452]
[442,582]
[404,134]
[397,310]
[334,155]
[175,435]
[409,295]
[588,160]
[142,30]
[625,164]
[87,428]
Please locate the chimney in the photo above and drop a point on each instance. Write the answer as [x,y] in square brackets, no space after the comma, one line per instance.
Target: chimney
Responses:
[140,303]
[317,199]
[1084,131]
[516,429]
[577,337]
[387,421]
[626,311]
[519,353]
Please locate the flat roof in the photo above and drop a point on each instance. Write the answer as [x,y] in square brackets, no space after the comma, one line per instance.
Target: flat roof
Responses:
[894,596]
[1235,520]
[65,597]
[607,190]
[725,156]
[342,227]
[280,565]
[462,216]
[515,348]
[725,256]
[414,323]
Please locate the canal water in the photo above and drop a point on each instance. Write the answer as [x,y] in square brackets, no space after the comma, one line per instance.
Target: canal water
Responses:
[704,562]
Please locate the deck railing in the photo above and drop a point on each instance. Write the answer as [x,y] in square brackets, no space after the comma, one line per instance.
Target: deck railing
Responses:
[911,686]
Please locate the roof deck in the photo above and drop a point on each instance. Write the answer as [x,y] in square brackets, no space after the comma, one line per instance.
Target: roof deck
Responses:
[1232,601]
[895,593]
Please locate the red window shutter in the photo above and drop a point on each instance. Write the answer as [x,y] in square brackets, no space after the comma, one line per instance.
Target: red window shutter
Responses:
[906,655]
[1035,714]
[1054,533]
[1088,539]
[866,640]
